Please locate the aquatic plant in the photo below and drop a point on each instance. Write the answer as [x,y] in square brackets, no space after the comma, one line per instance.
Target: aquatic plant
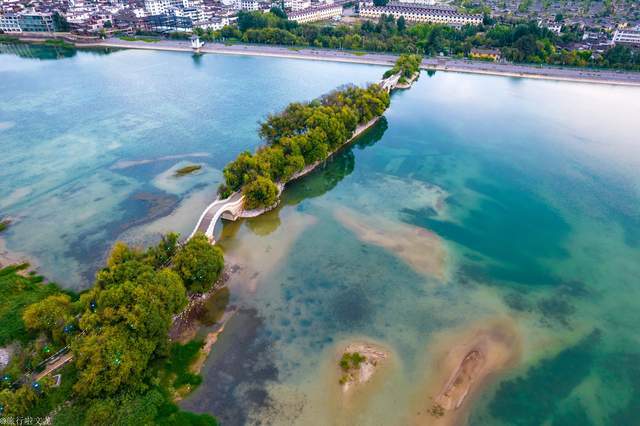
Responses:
[187,170]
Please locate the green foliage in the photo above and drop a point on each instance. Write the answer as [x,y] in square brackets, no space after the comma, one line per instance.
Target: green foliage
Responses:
[16,293]
[179,361]
[123,352]
[17,403]
[389,35]
[126,317]
[4,224]
[49,315]
[188,169]
[302,134]
[261,192]
[351,361]
[143,39]
[406,65]
[8,39]
[199,264]
[59,43]
[60,23]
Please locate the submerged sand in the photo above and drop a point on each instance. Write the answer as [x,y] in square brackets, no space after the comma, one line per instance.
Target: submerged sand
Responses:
[422,250]
[463,362]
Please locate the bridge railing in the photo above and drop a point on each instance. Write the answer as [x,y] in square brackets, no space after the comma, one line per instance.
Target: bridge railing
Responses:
[232,207]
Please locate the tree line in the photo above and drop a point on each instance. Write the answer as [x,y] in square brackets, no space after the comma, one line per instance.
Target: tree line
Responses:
[519,42]
[118,335]
[299,136]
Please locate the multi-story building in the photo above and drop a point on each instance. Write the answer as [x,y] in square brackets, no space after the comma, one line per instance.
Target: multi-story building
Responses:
[159,7]
[421,14]
[321,13]
[624,36]
[297,5]
[10,23]
[30,22]
[249,5]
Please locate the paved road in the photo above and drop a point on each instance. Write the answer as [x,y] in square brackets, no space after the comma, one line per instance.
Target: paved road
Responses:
[442,64]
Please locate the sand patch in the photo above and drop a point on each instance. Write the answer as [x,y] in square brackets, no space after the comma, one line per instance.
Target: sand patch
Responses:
[463,361]
[372,357]
[254,256]
[124,164]
[422,250]
[8,257]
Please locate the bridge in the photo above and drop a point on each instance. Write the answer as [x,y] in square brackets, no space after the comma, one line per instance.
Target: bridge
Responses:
[390,82]
[229,208]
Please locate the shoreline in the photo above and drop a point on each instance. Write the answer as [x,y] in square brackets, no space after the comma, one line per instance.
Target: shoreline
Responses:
[578,75]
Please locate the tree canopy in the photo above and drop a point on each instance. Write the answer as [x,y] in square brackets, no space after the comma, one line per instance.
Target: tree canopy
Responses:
[301,135]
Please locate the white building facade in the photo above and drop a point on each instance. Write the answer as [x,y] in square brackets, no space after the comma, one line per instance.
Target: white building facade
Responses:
[631,36]
[322,13]
[421,14]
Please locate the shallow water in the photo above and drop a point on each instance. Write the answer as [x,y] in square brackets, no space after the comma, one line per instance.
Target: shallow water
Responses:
[521,197]
[90,141]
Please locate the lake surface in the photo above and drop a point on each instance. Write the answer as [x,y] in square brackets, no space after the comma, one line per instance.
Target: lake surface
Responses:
[480,206]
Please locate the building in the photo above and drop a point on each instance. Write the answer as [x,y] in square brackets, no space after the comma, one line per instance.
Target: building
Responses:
[554,27]
[160,7]
[321,13]
[168,23]
[420,2]
[10,23]
[249,5]
[631,36]
[421,14]
[29,22]
[490,54]
[297,5]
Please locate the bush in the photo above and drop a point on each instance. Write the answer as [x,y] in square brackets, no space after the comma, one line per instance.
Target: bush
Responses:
[199,264]
[262,192]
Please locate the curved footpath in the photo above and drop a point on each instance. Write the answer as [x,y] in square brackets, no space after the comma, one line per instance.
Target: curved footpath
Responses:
[585,75]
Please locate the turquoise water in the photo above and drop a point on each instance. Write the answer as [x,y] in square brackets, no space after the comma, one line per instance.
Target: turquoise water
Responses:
[90,142]
[479,207]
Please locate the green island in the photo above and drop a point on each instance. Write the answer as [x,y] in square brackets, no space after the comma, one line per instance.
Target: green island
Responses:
[4,224]
[408,66]
[124,370]
[187,170]
[302,136]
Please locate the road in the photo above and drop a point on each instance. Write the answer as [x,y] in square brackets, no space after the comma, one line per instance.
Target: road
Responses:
[440,64]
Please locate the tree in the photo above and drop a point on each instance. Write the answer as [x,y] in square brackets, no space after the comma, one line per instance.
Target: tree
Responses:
[280,13]
[49,315]
[380,2]
[199,264]
[17,403]
[559,17]
[402,24]
[262,192]
[60,23]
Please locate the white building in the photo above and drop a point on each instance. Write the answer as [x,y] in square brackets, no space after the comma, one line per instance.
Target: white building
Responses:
[249,5]
[420,2]
[160,7]
[10,23]
[321,13]
[631,36]
[421,14]
[297,5]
